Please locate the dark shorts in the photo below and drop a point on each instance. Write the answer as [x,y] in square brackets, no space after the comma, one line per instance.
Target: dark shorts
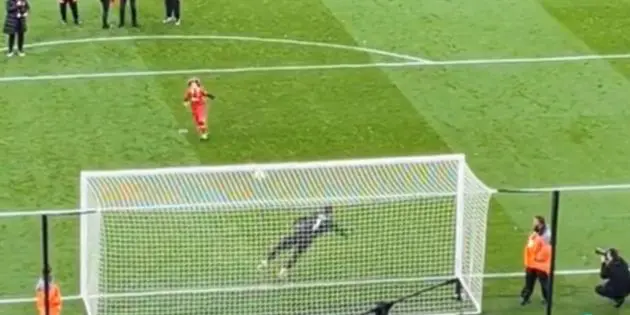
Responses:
[297,241]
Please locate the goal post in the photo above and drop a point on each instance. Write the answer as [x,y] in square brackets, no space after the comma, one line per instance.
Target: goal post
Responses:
[187,240]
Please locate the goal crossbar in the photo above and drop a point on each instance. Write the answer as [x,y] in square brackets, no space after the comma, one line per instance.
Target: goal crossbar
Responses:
[272,166]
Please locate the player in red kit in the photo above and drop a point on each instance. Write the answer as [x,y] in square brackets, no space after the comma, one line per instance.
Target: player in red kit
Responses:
[196,98]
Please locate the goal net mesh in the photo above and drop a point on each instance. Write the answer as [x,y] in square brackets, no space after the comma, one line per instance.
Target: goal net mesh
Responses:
[187,241]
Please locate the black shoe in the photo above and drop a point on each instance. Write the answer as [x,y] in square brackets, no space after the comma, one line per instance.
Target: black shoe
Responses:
[77,22]
[105,26]
[120,25]
[525,302]
[136,25]
[619,302]
[64,22]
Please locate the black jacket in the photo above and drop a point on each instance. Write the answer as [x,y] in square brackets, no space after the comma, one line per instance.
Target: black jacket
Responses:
[15,21]
[617,274]
[316,225]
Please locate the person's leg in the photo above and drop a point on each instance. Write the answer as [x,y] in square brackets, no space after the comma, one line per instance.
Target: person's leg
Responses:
[168,10]
[20,42]
[10,44]
[528,288]
[301,247]
[543,279]
[611,294]
[74,8]
[121,13]
[105,14]
[63,8]
[134,13]
[285,243]
[176,10]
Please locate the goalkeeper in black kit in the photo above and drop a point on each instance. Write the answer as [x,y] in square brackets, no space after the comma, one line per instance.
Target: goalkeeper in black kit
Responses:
[305,231]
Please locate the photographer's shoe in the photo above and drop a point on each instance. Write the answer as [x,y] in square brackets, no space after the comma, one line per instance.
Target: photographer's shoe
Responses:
[525,302]
[619,302]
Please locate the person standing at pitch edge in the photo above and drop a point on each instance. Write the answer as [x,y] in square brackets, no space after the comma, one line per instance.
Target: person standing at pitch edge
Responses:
[537,259]
[54,297]
[172,11]
[15,25]
[614,272]
[134,13]
[105,5]
[74,8]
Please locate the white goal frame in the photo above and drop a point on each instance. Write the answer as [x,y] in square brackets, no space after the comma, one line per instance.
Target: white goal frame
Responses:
[91,217]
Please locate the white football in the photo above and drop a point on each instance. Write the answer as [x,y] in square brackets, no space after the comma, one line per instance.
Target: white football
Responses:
[260,175]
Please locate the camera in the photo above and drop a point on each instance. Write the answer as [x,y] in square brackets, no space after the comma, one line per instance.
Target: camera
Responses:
[601,251]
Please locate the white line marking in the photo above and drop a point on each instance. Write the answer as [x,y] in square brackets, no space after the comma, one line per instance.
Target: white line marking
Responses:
[408,64]
[417,61]
[322,284]
[204,71]
[528,60]
[229,38]
[573,188]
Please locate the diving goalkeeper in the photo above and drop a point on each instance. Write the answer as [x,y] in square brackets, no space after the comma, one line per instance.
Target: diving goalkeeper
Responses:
[305,231]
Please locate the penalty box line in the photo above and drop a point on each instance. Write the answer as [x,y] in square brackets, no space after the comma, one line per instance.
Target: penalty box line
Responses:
[507,275]
[383,65]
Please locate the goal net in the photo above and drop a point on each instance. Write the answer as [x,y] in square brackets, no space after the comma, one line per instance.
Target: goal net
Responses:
[187,241]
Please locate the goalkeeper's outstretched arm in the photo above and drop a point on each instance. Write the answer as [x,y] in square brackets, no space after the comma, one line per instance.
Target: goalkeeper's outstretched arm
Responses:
[339,229]
[330,223]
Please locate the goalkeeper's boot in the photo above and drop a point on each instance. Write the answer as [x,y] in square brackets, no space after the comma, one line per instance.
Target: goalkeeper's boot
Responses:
[283,273]
[263,265]
[204,136]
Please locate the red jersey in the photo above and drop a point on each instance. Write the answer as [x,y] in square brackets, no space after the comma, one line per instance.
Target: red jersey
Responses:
[196,97]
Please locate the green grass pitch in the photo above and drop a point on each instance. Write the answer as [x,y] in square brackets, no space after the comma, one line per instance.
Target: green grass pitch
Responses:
[532,123]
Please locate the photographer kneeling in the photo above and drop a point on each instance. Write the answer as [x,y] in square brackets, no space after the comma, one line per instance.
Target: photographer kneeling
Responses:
[614,271]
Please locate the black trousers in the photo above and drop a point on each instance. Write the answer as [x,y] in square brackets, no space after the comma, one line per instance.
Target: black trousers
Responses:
[134,12]
[20,41]
[299,243]
[74,8]
[19,35]
[531,275]
[105,13]
[610,292]
[172,8]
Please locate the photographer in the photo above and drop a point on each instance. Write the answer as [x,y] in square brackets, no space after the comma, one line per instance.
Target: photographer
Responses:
[15,24]
[614,271]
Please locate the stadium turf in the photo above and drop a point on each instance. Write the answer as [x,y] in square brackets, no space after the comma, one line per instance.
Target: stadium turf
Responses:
[526,123]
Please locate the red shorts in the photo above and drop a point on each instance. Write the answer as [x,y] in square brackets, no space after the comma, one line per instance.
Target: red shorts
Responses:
[199,115]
